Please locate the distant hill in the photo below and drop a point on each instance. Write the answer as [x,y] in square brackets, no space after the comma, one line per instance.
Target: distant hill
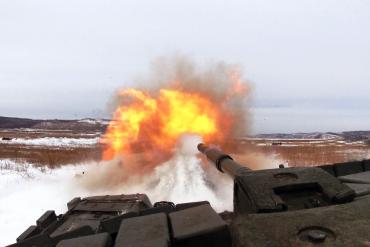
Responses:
[13,123]
[89,124]
[347,136]
[86,124]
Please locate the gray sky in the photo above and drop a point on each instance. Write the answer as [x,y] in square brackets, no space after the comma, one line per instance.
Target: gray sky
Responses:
[309,60]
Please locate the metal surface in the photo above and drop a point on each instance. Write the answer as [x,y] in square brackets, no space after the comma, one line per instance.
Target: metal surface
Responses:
[222,161]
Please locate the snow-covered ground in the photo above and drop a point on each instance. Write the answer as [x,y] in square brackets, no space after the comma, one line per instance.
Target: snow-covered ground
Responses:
[26,192]
[53,141]
[94,121]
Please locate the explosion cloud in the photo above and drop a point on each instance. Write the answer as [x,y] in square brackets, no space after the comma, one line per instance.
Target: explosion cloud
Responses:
[156,126]
[180,99]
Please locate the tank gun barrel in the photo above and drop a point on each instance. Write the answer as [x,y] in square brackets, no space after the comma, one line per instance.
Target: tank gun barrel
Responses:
[223,162]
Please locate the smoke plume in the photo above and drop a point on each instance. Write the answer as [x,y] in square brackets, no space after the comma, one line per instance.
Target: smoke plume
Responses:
[164,164]
[219,81]
[178,97]
[180,179]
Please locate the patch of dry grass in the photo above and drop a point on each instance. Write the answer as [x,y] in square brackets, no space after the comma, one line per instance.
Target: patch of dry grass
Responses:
[312,154]
[292,152]
[51,157]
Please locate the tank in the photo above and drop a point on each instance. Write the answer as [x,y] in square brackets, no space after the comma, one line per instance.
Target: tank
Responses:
[327,205]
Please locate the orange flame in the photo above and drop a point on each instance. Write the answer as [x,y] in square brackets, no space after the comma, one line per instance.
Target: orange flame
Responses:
[148,123]
[146,126]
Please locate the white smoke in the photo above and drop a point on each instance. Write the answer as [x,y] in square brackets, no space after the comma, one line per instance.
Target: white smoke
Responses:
[184,179]
[181,179]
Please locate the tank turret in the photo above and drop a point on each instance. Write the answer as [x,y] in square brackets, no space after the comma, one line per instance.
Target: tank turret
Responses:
[298,206]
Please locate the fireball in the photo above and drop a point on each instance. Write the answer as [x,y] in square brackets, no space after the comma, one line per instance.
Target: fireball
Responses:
[158,123]
[150,124]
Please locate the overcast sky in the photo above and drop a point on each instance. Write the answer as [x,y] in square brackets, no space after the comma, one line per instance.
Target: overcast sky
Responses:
[309,60]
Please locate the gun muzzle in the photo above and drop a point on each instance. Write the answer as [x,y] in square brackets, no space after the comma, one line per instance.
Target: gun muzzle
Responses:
[223,162]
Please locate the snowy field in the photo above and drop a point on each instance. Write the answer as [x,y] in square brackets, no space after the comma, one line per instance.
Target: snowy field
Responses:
[27,192]
[53,141]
